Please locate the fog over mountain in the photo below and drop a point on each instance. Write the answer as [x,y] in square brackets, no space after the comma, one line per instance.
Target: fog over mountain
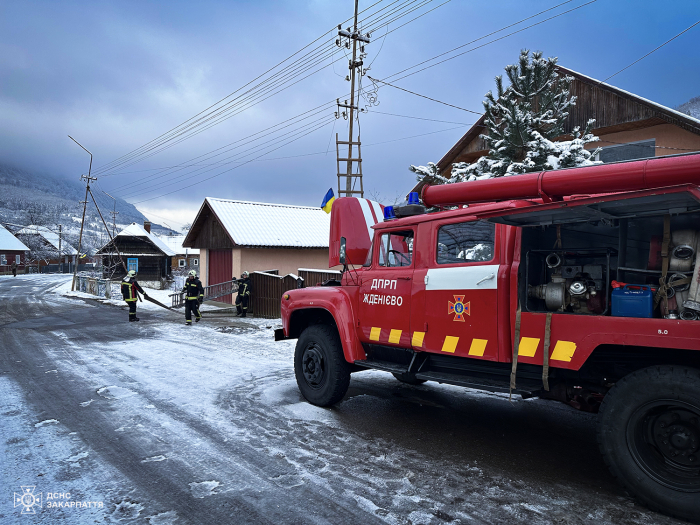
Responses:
[44,199]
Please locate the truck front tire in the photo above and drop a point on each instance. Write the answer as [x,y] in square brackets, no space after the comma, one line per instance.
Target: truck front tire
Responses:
[649,435]
[320,368]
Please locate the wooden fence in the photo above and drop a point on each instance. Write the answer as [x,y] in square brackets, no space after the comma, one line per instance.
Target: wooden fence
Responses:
[267,293]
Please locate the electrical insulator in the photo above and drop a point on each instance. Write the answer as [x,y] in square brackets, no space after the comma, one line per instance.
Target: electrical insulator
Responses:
[347,44]
[347,77]
[362,49]
[337,42]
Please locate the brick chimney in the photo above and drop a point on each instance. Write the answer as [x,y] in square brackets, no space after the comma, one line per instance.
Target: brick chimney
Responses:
[147,226]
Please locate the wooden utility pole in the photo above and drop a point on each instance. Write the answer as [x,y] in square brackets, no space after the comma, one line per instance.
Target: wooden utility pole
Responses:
[348,189]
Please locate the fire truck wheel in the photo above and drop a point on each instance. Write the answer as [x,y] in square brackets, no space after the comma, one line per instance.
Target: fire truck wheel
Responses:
[322,373]
[409,379]
[649,435]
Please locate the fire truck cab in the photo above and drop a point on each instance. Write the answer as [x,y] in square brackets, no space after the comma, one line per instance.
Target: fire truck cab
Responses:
[579,285]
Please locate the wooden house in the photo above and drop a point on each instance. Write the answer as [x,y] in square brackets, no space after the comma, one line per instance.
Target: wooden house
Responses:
[235,236]
[629,126]
[141,251]
[12,250]
[48,248]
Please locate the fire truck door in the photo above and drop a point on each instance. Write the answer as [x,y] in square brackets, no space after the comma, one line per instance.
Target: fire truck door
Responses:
[461,292]
[385,291]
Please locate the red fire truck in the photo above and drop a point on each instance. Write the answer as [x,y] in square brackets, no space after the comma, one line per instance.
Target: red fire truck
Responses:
[579,285]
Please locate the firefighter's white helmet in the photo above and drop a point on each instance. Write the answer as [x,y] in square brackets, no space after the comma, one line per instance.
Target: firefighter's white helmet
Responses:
[245,275]
[132,273]
[193,273]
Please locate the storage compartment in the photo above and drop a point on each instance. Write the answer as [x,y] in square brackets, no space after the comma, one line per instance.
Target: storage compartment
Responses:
[573,267]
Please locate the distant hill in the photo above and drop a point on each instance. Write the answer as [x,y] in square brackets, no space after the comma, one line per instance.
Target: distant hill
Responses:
[692,107]
[42,199]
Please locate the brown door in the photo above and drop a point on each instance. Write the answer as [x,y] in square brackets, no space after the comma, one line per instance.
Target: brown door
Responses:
[221,270]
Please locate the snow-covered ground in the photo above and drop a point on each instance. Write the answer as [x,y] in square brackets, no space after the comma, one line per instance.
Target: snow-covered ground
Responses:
[168,424]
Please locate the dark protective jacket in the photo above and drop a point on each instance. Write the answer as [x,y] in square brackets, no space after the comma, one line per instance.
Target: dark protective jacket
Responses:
[129,289]
[193,289]
[244,288]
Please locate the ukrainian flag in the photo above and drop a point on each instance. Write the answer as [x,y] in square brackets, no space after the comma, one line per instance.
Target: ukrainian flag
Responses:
[328,201]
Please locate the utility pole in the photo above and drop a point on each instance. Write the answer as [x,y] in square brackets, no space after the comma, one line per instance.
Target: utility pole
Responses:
[113,213]
[344,41]
[60,257]
[87,178]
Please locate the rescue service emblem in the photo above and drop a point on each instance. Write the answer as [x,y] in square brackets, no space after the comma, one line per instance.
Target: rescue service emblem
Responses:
[459,308]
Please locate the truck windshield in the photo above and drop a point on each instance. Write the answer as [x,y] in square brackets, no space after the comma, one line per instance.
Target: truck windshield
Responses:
[396,249]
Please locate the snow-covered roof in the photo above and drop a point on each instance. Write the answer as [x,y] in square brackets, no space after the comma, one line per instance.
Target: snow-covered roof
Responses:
[135,230]
[273,225]
[10,242]
[174,242]
[50,236]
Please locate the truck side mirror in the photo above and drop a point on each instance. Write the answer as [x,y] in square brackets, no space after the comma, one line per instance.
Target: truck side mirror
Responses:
[342,250]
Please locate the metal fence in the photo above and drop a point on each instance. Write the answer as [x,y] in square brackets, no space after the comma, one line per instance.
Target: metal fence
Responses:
[99,287]
[210,292]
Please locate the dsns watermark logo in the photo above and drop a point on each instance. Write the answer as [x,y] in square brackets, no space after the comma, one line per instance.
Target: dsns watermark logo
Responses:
[27,499]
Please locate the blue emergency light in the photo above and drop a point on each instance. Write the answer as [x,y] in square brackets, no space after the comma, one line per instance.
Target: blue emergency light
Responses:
[389,213]
[413,198]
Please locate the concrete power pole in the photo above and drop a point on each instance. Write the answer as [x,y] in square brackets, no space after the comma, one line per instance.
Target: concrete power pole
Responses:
[346,36]
[87,178]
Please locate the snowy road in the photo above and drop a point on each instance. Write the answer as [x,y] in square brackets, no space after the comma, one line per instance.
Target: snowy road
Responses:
[159,423]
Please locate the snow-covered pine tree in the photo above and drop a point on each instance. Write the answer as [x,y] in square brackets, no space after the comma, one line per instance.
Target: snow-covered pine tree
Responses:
[522,122]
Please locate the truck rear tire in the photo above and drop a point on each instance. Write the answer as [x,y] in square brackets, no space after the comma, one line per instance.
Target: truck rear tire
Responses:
[320,368]
[649,435]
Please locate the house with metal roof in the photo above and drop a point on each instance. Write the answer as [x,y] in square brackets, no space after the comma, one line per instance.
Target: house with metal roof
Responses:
[141,251]
[48,247]
[235,236]
[184,258]
[629,126]
[12,250]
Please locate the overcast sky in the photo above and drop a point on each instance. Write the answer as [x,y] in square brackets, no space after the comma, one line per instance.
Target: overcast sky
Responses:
[116,75]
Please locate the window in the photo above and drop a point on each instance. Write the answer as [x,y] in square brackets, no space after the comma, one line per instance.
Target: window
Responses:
[396,249]
[3,260]
[465,242]
[132,264]
[18,260]
[195,262]
[182,263]
[634,150]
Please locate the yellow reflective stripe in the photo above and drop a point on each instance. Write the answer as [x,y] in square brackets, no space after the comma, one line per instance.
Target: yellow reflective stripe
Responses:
[374,334]
[478,347]
[450,344]
[395,336]
[564,351]
[528,346]
[191,298]
[418,338]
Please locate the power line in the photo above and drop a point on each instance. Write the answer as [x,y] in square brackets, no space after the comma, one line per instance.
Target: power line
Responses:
[419,95]
[236,91]
[235,167]
[419,118]
[180,130]
[489,42]
[652,51]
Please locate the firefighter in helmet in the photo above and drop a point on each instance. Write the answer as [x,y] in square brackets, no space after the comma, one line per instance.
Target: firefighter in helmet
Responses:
[194,296]
[130,293]
[243,297]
